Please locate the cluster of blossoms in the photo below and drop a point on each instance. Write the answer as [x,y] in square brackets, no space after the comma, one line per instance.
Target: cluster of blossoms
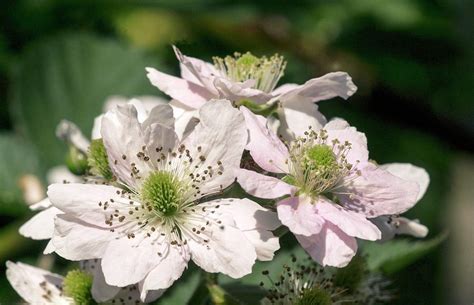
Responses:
[149,189]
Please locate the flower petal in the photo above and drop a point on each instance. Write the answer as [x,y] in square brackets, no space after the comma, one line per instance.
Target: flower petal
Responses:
[322,88]
[338,129]
[298,116]
[218,142]
[264,145]
[265,243]
[90,203]
[330,247]
[177,88]
[300,215]
[101,291]
[262,186]
[76,241]
[237,91]
[352,223]
[40,226]
[166,272]
[376,192]
[391,226]
[227,250]
[410,172]
[135,260]
[32,284]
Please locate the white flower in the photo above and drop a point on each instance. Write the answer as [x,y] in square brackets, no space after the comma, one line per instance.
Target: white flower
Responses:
[146,230]
[248,78]
[41,287]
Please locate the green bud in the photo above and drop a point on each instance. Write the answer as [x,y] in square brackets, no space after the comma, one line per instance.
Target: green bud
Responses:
[98,160]
[77,285]
[76,161]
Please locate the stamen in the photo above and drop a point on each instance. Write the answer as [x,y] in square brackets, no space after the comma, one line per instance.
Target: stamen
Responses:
[266,72]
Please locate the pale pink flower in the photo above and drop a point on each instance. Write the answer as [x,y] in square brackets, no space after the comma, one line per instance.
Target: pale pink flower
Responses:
[330,190]
[247,78]
[156,216]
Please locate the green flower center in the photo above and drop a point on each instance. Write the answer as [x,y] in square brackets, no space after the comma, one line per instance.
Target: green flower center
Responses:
[320,157]
[315,296]
[266,72]
[77,285]
[98,160]
[164,192]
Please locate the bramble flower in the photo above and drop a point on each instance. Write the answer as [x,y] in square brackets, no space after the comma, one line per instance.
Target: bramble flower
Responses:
[246,79]
[157,214]
[41,287]
[392,225]
[308,284]
[331,188]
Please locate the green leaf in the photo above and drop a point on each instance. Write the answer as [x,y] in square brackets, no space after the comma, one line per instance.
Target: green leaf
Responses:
[394,255]
[18,159]
[69,77]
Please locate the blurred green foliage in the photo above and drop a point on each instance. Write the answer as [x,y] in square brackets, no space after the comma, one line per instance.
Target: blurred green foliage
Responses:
[413,62]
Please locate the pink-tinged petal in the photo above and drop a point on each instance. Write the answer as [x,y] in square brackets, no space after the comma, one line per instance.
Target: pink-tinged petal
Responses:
[182,90]
[49,248]
[219,138]
[297,117]
[76,241]
[237,91]
[262,186]
[90,203]
[300,215]
[284,89]
[358,152]
[166,272]
[123,139]
[125,262]
[160,139]
[227,251]
[376,192]
[391,226]
[161,114]
[330,247]
[322,88]
[33,283]
[197,71]
[265,243]
[267,150]
[410,172]
[186,119]
[352,223]
[40,226]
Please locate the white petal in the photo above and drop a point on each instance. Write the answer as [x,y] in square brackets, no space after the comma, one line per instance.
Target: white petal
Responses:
[297,117]
[265,243]
[166,272]
[26,280]
[410,172]
[76,241]
[352,223]
[126,262]
[264,145]
[322,88]
[40,226]
[391,226]
[262,186]
[220,138]
[41,205]
[247,214]
[227,251]
[101,291]
[182,90]
[90,203]
[300,215]
[60,174]
[71,134]
[330,247]
[123,139]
